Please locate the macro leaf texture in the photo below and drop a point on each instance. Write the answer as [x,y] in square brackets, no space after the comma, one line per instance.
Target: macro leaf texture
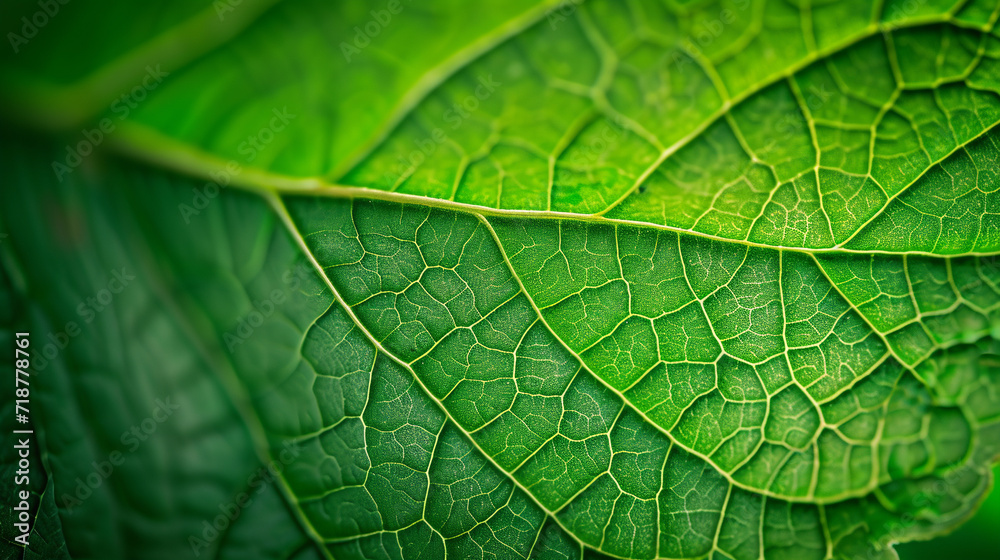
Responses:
[504,279]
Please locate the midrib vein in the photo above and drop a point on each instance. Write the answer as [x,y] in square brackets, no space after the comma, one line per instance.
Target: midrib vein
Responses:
[150,146]
[147,144]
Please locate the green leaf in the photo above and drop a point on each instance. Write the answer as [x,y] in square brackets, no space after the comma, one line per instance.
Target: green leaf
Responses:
[512,279]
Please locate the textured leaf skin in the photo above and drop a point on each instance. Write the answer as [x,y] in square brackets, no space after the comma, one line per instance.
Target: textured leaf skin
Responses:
[691,280]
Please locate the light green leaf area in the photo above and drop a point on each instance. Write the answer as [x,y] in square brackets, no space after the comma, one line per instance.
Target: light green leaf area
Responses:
[842,124]
[612,280]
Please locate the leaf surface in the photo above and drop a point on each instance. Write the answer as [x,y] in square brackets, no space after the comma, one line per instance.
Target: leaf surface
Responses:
[627,280]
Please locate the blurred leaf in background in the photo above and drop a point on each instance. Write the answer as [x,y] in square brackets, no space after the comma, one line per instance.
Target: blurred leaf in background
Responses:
[977,538]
